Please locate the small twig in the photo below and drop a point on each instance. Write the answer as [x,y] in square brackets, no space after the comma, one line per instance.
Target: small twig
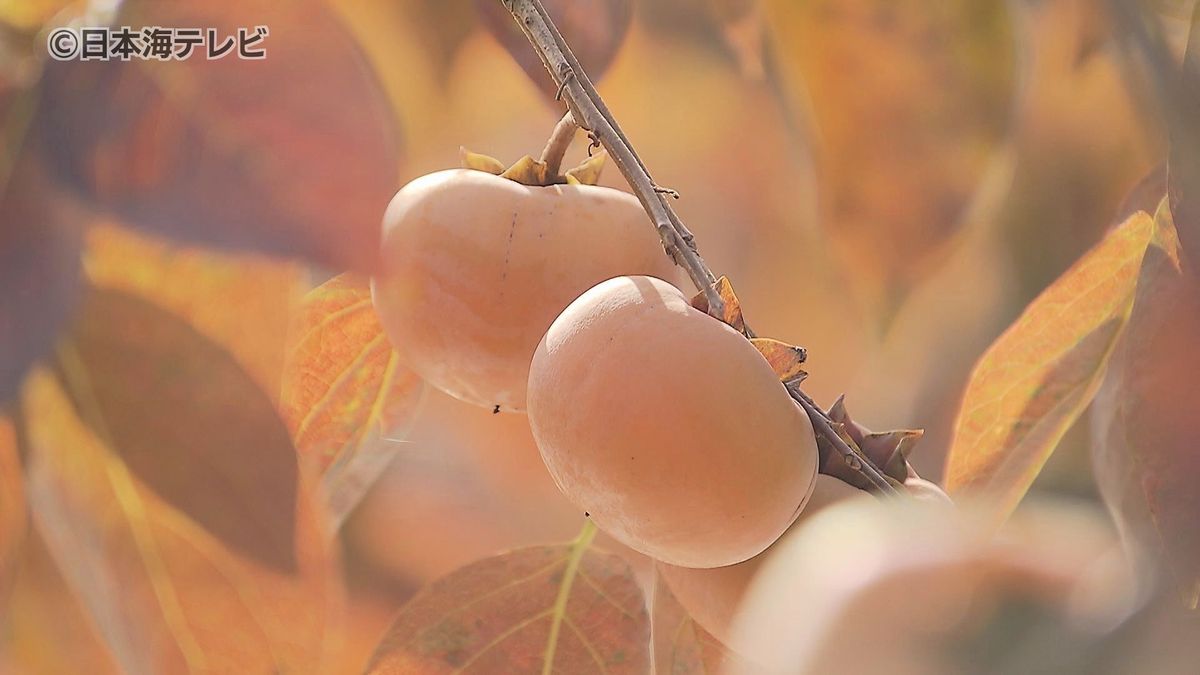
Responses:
[556,147]
[588,110]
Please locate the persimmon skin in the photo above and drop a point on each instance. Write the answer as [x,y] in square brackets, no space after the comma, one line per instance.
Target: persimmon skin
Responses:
[668,427]
[712,596]
[475,268]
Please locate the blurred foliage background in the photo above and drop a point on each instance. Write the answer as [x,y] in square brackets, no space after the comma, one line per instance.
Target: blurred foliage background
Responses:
[886,183]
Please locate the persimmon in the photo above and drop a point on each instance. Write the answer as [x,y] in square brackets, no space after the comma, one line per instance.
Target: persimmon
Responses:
[668,427]
[711,596]
[913,587]
[476,266]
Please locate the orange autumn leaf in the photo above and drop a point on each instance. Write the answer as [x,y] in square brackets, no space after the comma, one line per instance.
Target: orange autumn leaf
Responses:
[1144,420]
[1038,377]
[187,421]
[165,594]
[346,398]
[565,608]
[44,628]
[13,513]
[240,301]
[785,359]
[682,646]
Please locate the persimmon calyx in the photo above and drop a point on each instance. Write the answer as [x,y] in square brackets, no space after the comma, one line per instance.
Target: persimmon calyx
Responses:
[732,313]
[532,172]
[888,450]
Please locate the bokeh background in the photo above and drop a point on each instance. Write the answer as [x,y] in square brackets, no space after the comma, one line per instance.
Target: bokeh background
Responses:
[887,183]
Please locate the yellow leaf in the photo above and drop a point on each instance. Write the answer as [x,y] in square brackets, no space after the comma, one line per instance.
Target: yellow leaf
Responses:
[1039,376]
[346,398]
[785,359]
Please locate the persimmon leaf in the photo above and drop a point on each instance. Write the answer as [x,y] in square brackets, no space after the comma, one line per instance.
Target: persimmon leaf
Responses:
[39,271]
[564,608]
[346,398]
[1041,373]
[187,421]
[681,645]
[230,151]
[239,301]
[165,594]
[1144,418]
[13,513]
[44,627]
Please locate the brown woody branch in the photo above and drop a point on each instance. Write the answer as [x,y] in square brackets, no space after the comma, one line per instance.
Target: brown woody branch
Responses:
[587,110]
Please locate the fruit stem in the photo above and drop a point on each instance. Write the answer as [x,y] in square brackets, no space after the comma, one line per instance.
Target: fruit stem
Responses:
[556,146]
[588,110]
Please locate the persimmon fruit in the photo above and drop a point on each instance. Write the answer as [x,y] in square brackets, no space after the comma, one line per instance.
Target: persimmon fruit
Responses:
[712,596]
[476,266]
[667,426]
[912,587]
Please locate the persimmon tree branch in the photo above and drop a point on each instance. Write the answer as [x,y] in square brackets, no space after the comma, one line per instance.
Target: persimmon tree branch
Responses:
[586,109]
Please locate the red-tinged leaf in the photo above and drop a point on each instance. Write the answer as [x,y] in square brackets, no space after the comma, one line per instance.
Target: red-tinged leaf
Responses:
[1184,120]
[907,100]
[291,154]
[239,301]
[594,29]
[13,514]
[43,626]
[544,609]
[188,422]
[347,400]
[39,271]
[1039,376]
[167,595]
[683,647]
[785,359]
[1145,418]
